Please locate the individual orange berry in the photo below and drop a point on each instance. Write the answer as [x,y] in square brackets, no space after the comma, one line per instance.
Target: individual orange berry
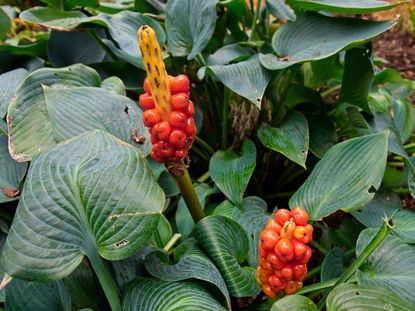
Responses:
[156,157]
[275,281]
[299,285]
[179,84]
[287,273]
[268,291]
[178,139]
[178,120]
[290,288]
[287,230]
[161,130]
[282,215]
[273,225]
[179,102]
[306,257]
[268,239]
[261,251]
[299,249]
[299,272]
[275,261]
[151,117]
[300,233]
[146,101]
[309,230]
[180,153]
[190,109]
[265,265]
[147,86]
[285,248]
[190,127]
[300,216]
[166,150]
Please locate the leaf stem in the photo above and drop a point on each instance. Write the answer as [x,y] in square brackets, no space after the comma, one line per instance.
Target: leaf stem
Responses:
[205,145]
[174,239]
[203,178]
[377,239]
[189,195]
[254,20]
[106,280]
[319,247]
[409,146]
[317,287]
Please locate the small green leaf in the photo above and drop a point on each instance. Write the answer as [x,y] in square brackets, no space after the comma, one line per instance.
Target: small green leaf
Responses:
[247,78]
[341,6]
[357,76]
[5,24]
[114,85]
[390,266]
[352,297]
[290,137]
[294,302]
[280,10]
[11,173]
[404,117]
[384,204]
[9,83]
[67,48]
[188,34]
[229,53]
[347,177]
[183,218]
[227,244]
[93,193]
[315,36]
[231,171]
[189,262]
[35,296]
[154,295]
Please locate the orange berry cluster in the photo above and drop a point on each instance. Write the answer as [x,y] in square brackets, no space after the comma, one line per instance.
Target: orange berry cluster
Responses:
[171,139]
[283,253]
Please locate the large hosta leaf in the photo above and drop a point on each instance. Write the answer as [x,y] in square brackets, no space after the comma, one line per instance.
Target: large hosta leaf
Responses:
[294,302]
[247,78]
[290,137]
[91,194]
[35,296]
[189,262]
[9,82]
[231,172]
[155,295]
[11,172]
[352,297]
[391,265]
[52,105]
[189,26]
[404,222]
[227,244]
[347,177]
[315,36]
[342,6]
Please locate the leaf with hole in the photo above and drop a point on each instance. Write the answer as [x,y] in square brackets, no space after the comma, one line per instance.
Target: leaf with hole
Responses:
[314,36]
[347,177]
[92,194]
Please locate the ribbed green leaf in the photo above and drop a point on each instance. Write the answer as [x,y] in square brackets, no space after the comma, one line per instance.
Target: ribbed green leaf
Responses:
[294,302]
[67,48]
[163,233]
[347,177]
[342,6]
[189,262]
[93,193]
[9,82]
[229,53]
[183,218]
[315,36]
[357,76]
[227,244]
[390,266]
[404,222]
[247,78]
[280,10]
[114,85]
[352,297]
[34,296]
[156,295]
[52,105]
[384,204]
[290,138]
[404,117]
[11,172]
[231,171]
[189,26]
[322,134]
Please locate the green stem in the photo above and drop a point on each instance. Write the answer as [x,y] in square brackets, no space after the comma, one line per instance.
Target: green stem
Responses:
[254,20]
[378,238]
[396,164]
[331,90]
[204,144]
[409,146]
[174,239]
[200,153]
[106,280]
[319,247]
[317,287]
[401,190]
[203,178]
[224,141]
[189,195]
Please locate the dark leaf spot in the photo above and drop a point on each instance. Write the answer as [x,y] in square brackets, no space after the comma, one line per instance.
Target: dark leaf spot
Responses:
[372,189]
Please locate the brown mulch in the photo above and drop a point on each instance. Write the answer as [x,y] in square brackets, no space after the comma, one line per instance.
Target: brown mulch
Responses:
[398,48]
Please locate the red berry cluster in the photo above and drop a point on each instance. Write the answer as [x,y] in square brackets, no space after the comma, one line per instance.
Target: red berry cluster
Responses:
[283,253]
[171,139]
